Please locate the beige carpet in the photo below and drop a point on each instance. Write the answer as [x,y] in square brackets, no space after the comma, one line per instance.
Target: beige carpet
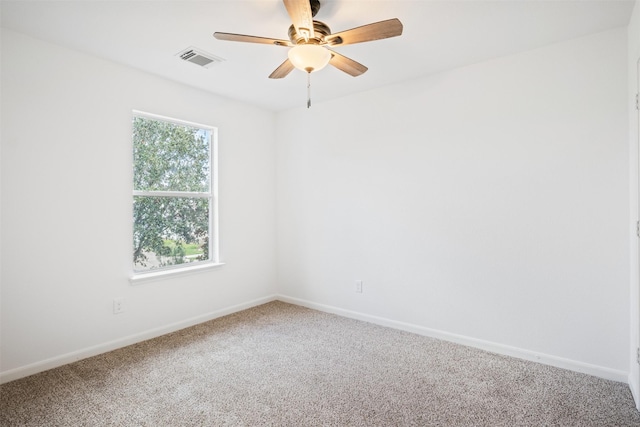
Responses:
[283,365]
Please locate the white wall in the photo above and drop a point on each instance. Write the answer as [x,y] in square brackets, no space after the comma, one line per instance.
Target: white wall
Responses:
[633,37]
[488,204]
[66,206]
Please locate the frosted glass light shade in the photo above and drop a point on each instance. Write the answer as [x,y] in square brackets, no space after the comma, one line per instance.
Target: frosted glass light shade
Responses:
[309,57]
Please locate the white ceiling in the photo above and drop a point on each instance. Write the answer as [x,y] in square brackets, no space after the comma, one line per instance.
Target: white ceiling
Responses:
[438,35]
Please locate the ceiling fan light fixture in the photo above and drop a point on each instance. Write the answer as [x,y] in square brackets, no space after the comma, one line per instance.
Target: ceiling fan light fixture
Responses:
[309,57]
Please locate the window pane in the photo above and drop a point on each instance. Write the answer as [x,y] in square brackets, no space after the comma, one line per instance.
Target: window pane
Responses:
[169,156]
[169,231]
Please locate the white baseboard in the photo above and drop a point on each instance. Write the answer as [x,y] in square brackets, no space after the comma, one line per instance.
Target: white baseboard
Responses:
[559,362]
[634,391]
[54,362]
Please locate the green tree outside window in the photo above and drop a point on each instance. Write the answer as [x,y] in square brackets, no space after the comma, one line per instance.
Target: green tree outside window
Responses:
[172,200]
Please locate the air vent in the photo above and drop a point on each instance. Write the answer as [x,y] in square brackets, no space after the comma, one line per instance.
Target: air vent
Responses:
[199,57]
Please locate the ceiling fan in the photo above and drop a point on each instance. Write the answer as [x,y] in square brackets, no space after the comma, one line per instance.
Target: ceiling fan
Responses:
[310,40]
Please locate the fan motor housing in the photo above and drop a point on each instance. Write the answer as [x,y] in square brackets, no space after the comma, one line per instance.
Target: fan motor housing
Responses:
[315,6]
[320,30]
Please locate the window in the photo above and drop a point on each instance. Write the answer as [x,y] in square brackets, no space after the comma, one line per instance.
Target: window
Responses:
[174,197]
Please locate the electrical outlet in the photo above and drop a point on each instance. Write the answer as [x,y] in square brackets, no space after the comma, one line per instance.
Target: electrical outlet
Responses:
[359,286]
[118,305]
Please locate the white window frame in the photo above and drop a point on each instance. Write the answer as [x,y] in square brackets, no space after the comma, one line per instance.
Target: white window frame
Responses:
[213,260]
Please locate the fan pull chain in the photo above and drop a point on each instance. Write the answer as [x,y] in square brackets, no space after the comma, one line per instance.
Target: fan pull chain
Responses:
[308,89]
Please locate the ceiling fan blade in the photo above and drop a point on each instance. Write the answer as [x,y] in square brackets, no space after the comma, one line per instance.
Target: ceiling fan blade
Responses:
[366,33]
[283,70]
[251,39]
[301,16]
[347,65]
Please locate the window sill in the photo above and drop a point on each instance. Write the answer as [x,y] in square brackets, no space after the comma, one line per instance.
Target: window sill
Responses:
[140,278]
